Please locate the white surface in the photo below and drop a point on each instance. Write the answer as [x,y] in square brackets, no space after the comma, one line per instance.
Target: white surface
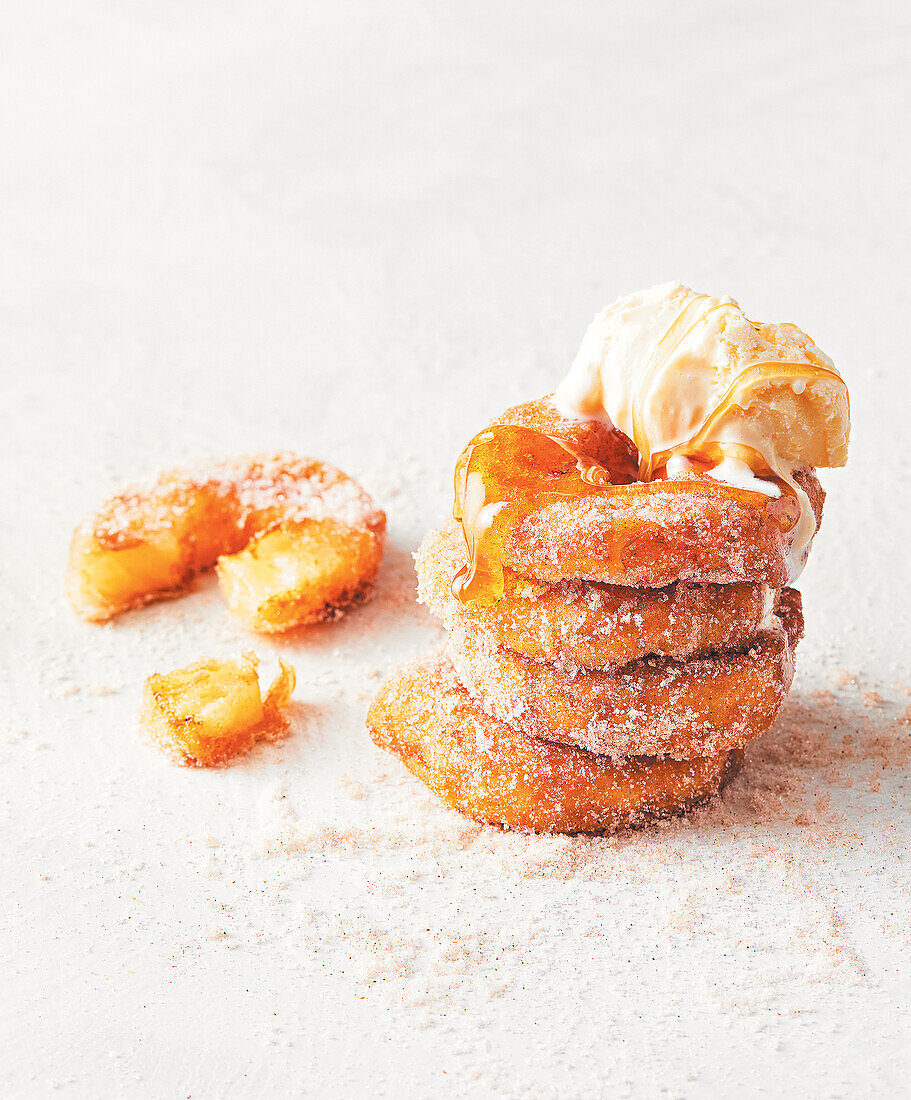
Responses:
[361,230]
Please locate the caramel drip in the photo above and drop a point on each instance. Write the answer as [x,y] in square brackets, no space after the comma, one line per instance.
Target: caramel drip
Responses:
[751,375]
[503,474]
[677,332]
[507,472]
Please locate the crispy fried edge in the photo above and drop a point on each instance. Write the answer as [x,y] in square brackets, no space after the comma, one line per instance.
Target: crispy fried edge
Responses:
[158,723]
[423,716]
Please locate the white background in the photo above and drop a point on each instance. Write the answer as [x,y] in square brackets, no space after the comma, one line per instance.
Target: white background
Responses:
[360,230]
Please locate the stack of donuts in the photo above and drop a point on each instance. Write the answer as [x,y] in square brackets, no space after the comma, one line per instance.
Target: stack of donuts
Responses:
[638,635]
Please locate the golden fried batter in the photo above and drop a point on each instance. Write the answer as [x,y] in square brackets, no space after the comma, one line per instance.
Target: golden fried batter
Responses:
[300,573]
[494,774]
[653,533]
[213,710]
[555,499]
[657,706]
[149,542]
[586,624]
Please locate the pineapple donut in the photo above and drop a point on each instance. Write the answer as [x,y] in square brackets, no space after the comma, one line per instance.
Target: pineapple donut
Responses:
[585,624]
[294,541]
[498,775]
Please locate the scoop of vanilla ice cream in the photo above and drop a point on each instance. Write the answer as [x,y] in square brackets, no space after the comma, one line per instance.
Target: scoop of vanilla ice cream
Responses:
[684,374]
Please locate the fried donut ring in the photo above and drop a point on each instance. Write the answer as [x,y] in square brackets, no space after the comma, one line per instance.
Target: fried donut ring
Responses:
[690,527]
[148,542]
[657,706]
[584,624]
[597,440]
[497,775]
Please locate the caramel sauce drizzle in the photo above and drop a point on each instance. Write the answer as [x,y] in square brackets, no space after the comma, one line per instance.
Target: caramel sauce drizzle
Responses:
[677,332]
[750,376]
[507,472]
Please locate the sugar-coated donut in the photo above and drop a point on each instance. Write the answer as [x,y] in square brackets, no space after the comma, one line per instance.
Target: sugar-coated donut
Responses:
[585,624]
[559,503]
[299,539]
[494,774]
[657,706]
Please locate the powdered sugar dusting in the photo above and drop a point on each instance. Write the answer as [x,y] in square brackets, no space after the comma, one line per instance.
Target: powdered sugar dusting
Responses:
[692,889]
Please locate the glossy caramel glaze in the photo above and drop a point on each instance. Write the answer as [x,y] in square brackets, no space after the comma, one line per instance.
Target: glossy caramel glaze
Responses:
[533,458]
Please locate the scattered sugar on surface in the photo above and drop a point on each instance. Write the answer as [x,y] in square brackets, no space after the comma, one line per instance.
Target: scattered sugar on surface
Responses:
[757,913]
[697,887]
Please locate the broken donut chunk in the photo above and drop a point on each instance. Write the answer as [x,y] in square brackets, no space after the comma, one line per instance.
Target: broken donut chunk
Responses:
[211,711]
[295,541]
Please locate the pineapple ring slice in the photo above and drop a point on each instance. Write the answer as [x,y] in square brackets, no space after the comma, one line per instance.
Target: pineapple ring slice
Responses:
[205,714]
[296,541]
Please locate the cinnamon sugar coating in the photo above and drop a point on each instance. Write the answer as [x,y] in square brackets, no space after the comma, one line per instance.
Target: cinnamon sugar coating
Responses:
[657,706]
[627,532]
[578,510]
[653,533]
[613,644]
[585,624]
[149,542]
[496,774]
[603,443]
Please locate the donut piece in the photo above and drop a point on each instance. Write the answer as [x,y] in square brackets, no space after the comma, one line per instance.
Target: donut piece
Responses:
[497,775]
[650,534]
[658,706]
[306,572]
[148,542]
[555,500]
[584,624]
[212,711]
